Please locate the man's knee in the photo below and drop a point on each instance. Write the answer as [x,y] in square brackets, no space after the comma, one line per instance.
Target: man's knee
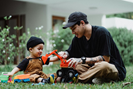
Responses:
[106,66]
[80,68]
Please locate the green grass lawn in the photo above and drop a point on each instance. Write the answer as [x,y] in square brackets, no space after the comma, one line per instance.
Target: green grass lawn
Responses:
[55,67]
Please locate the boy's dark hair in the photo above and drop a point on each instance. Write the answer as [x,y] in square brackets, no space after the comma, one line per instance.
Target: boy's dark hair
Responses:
[33,41]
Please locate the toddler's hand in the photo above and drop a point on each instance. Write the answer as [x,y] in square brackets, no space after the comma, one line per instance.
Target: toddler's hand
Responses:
[10,74]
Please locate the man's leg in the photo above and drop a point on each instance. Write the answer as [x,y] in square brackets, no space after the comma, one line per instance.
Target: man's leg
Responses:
[99,70]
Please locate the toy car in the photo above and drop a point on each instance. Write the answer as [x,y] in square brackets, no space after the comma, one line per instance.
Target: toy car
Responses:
[22,78]
[4,78]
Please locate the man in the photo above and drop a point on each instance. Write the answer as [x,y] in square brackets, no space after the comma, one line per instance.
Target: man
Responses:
[93,52]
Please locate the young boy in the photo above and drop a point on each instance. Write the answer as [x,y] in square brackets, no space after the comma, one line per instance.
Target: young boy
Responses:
[33,63]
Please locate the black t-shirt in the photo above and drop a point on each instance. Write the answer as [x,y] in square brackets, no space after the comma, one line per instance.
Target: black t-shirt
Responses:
[23,65]
[100,43]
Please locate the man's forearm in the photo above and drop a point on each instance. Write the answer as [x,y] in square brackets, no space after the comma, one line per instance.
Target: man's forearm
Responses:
[94,60]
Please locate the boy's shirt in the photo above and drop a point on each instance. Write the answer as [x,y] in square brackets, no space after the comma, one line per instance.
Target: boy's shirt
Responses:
[23,65]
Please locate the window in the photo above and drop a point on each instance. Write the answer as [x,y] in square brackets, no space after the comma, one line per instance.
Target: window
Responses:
[57,22]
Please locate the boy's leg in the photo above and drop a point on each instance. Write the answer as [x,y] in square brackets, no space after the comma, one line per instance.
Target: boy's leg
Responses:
[99,70]
[38,78]
[34,78]
[48,75]
[50,79]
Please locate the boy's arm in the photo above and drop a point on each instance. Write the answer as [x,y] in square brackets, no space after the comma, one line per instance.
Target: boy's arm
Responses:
[53,59]
[63,54]
[14,71]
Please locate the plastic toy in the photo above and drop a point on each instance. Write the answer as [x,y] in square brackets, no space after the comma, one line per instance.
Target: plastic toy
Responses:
[22,78]
[4,78]
[65,72]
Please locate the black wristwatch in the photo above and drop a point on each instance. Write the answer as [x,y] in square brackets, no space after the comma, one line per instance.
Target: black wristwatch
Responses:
[83,60]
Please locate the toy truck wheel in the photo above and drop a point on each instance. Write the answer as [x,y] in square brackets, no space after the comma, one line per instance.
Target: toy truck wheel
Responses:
[71,73]
[62,80]
[60,73]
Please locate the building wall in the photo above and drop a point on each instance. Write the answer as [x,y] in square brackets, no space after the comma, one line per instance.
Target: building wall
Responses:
[41,15]
[119,23]
[35,13]
[35,16]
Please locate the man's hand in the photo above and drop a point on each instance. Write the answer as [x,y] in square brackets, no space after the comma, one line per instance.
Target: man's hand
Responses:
[64,54]
[74,61]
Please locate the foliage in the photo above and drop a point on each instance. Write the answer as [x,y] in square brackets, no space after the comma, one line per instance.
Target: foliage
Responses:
[6,68]
[44,35]
[21,49]
[128,15]
[124,41]
[61,39]
[8,49]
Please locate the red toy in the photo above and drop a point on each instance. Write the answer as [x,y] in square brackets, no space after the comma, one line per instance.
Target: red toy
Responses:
[64,63]
[65,72]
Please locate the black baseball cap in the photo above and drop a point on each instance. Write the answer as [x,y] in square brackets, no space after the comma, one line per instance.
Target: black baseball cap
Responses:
[74,18]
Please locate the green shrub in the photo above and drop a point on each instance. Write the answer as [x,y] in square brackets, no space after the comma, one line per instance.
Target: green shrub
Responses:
[8,49]
[61,39]
[124,41]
